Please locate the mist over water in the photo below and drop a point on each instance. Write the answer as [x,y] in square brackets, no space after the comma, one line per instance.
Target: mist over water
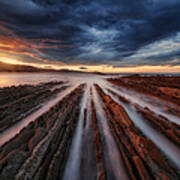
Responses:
[15,129]
[72,170]
[165,145]
[15,79]
[154,104]
[113,158]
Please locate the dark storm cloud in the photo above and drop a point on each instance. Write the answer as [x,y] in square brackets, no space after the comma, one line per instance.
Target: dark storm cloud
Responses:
[87,31]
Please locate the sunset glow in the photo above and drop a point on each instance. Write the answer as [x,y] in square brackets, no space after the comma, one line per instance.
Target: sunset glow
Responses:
[98,68]
[89,89]
[105,44]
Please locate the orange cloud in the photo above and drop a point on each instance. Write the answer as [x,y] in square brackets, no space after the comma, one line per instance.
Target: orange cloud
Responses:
[16,50]
[14,45]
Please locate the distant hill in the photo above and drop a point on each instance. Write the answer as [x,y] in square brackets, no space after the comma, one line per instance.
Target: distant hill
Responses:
[5,67]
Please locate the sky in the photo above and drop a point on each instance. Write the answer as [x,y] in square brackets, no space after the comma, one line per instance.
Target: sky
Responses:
[92,35]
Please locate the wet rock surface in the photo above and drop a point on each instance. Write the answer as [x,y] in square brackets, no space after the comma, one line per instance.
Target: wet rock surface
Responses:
[93,132]
[100,162]
[41,149]
[17,102]
[142,158]
[167,88]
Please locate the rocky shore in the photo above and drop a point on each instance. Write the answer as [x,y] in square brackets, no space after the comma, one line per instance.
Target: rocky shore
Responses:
[143,160]
[41,149]
[164,87]
[98,130]
[17,102]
